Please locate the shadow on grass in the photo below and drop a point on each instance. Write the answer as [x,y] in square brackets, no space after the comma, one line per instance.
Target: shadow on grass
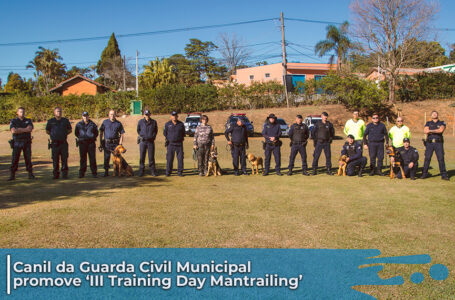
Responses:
[23,191]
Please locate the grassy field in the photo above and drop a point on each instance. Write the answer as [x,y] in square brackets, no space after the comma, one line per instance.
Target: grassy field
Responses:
[399,217]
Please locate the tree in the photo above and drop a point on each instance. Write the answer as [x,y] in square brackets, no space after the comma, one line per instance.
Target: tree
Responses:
[183,68]
[427,55]
[452,53]
[157,73]
[198,53]
[390,28]
[87,72]
[233,52]
[337,42]
[16,84]
[49,70]
[111,51]
[262,63]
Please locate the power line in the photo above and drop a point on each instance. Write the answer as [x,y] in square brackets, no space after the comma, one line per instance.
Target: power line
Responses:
[135,34]
[312,21]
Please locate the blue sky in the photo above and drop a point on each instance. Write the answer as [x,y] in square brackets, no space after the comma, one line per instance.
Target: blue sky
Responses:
[26,21]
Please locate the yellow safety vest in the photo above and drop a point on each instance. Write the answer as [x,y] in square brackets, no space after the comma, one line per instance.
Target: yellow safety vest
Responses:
[355,128]
[398,134]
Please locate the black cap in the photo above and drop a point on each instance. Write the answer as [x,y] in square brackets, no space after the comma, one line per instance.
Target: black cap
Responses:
[299,116]
[174,113]
[147,112]
[271,116]
[406,140]
[350,136]
[85,114]
[325,114]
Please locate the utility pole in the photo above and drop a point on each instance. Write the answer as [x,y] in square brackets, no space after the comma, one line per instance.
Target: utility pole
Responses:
[124,73]
[285,68]
[137,82]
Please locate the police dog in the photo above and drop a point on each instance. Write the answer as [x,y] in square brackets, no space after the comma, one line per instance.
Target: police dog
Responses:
[342,167]
[121,167]
[255,163]
[398,162]
[213,166]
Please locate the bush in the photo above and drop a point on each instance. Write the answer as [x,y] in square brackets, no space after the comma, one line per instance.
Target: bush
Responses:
[425,86]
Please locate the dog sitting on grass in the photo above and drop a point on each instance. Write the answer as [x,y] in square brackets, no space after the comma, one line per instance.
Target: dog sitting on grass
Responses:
[396,163]
[121,167]
[255,163]
[213,166]
[343,165]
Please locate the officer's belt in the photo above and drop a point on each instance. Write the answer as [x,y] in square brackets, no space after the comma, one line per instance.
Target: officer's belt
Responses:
[176,143]
[435,140]
[112,141]
[58,142]
[87,141]
[299,143]
[147,140]
[238,145]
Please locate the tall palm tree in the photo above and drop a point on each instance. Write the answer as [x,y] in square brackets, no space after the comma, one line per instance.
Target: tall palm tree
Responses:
[48,66]
[337,42]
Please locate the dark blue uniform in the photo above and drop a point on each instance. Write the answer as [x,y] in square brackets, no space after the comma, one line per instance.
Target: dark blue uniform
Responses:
[58,131]
[376,135]
[22,143]
[322,134]
[112,131]
[272,130]
[354,152]
[239,140]
[147,132]
[299,135]
[435,143]
[408,156]
[174,135]
[87,134]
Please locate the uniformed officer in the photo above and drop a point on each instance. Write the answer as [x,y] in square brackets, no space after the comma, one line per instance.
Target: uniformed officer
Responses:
[322,134]
[111,135]
[86,133]
[353,151]
[174,133]
[299,134]
[58,129]
[147,128]
[203,141]
[434,143]
[410,158]
[398,132]
[271,133]
[373,140]
[355,127]
[21,129]
[238,142]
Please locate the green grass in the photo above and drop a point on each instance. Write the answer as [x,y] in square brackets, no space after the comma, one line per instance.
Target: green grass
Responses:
[398,217]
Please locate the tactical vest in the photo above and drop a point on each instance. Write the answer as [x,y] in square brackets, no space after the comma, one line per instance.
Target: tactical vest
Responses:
[350,149]
[298,135]
[323,132]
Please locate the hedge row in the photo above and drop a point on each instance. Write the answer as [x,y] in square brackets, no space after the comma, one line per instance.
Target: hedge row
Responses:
[424,86]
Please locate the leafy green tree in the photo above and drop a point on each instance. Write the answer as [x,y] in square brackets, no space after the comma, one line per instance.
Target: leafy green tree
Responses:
[427,54]
[452,54]
[262,63]
[157,73]
[184,69]
[337,42]
[49,68]
[111,51]
[16,84]
[76,70]
[198,53]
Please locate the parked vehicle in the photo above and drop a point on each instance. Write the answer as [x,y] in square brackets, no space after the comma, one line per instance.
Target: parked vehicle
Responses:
[191,122]
[233,119]
[311,120]
[284,127]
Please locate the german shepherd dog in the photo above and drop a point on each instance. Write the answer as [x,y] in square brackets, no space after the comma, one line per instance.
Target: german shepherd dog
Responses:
[398,163]
[121,167]
[342,168]
[255,163]
[213,166]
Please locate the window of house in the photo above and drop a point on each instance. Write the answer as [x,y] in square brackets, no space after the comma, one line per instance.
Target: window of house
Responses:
[251,77]
[267,75]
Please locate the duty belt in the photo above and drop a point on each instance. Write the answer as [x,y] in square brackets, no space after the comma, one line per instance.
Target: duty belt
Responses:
[298,143]
[434,140]
[238,145]
[88,141]
[112,141]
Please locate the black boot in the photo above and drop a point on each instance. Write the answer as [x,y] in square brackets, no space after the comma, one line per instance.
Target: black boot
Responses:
[329,172]
[141,173]
[360,172]
[106,173]
[379,172]
[12,176]
[65,175]
[373,171]
[290,172]
[56,176]
[81,175]
[424,175]
[153,173]
[30,175]
[304,172]
[314,172]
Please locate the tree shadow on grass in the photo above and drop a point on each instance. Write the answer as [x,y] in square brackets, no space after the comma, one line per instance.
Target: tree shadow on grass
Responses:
[23,191]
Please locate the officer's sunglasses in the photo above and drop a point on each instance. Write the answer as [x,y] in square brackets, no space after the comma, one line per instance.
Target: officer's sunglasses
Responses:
[375,118]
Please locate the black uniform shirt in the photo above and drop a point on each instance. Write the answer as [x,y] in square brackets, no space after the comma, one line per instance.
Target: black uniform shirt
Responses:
[174,133]
[375,133]
[147,130]
[434,126]
[323,132]
[410,155]
[58,129]
[353,151]
[112,130]
[87,131]
[18,123]
[299,133]
[271,130]
[239,134]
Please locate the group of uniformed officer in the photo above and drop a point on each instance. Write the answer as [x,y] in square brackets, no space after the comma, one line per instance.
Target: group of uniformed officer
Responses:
[371,137]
